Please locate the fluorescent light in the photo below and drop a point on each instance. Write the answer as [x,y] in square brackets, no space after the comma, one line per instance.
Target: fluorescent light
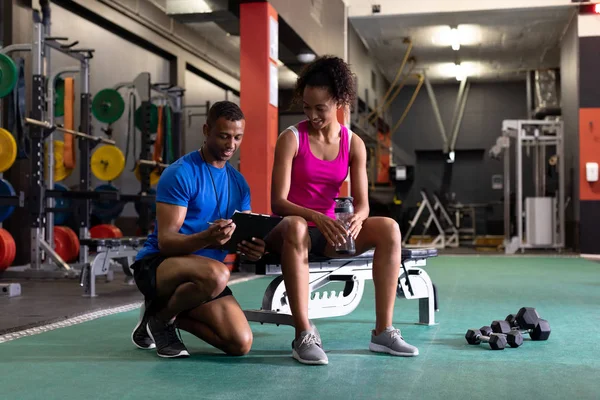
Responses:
[461,35]
[454,39]
[306,57]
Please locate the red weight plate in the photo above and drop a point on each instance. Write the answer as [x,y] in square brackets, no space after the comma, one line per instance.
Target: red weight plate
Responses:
[61,244]
[105,231]
[73,242]
[8,249]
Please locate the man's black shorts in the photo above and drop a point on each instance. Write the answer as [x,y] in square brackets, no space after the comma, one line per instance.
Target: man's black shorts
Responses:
[144,273]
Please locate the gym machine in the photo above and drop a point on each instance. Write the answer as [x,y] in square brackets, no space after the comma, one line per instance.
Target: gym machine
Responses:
[447,235]
[540,215]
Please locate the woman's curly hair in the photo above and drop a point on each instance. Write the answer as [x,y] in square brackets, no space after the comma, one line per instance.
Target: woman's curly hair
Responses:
[330,72]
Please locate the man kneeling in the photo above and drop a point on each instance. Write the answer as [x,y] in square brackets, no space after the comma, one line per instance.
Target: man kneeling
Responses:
[180,269]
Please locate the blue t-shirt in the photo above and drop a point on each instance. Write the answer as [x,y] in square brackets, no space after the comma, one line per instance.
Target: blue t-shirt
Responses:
[188,183]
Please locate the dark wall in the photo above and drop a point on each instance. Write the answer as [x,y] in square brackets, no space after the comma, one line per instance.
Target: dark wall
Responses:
[470,177]
[569,73]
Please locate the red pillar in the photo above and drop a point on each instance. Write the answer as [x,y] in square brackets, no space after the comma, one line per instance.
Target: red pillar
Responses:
[258,98]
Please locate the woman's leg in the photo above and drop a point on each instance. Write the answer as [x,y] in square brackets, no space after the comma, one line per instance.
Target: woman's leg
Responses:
[290,239]
[383,234]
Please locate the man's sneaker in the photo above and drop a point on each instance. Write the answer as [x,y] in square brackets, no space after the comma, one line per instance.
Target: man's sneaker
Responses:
[308,350]
[140,336]
[390,341]
[168,343]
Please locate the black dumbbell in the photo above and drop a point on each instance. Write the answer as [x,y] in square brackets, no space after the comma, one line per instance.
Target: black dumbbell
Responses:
[526,318]
[514,338]
[497,341]
[541,330]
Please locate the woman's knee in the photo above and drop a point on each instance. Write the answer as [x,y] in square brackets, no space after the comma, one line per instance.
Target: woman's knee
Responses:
[295,229]
[385,229]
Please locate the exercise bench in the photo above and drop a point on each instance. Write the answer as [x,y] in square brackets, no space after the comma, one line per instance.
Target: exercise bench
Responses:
[413,283]
[121,250]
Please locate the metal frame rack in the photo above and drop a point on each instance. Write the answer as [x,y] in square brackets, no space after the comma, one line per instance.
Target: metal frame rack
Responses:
[535,136]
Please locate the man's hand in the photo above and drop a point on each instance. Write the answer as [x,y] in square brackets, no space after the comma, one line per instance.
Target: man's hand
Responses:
[219,232]
[252,250]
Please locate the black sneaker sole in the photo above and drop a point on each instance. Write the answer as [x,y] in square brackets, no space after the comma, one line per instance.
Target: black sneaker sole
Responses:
[181,354]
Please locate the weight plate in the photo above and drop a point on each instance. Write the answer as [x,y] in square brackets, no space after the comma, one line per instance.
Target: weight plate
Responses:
[61,172]
[104,231]
[8,249]
[107,163]
[108,106]
[106,210]
[139,204]
[154,175]
[8,150]
[61,218]
[68,241]
[61,244]
[153,118]
[8,75]
[59,97]
[6,189]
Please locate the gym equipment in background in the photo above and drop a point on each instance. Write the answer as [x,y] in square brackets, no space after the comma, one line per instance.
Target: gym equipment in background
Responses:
[8,75]
[107,210]
[536,221]
[107,163]
[8,249]
[108,106]
[63,204]
[8,150]
[6,189]
[105,231]
[61,171]
[66,243]
[447,234]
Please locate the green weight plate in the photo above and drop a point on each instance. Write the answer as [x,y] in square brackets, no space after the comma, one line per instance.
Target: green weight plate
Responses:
[59,97]
[108,106]
[8,75]
[153,118]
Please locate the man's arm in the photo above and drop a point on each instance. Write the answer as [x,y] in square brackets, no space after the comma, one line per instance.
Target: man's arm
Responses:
[285,150]
[358,177]
[170,242]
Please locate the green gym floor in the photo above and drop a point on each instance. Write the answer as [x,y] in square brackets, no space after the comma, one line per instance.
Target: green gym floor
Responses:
[96,360]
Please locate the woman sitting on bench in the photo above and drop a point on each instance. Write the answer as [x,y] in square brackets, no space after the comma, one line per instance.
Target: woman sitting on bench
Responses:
[312,160]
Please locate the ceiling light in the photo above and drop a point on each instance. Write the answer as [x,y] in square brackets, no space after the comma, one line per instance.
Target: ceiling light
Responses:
[306,57]
[454,39]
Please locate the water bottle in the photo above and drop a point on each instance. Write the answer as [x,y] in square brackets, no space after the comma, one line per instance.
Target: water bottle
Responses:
[344,211]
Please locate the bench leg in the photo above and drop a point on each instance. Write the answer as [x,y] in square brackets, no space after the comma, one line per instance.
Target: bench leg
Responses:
[420,288]
[275,305]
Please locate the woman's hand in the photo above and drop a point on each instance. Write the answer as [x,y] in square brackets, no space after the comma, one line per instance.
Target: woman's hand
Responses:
[355,225]
[332,229]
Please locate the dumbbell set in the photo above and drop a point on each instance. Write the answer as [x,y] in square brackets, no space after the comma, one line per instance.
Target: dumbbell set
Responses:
[510,331]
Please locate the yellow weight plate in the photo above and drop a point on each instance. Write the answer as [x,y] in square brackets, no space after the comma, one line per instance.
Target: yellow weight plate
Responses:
[154,175]
[8,150]
[107,163]
[61,172]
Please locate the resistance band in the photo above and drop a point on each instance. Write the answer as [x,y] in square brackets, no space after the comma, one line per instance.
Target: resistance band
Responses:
[69,157]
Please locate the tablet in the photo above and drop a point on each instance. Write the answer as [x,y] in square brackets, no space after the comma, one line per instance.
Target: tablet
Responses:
[249,225]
